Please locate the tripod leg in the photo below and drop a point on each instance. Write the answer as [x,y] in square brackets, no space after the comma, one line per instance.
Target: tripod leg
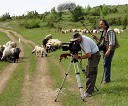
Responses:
[66,74]
[79,80]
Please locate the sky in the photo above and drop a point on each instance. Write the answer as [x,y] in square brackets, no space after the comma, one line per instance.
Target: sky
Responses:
[20,7]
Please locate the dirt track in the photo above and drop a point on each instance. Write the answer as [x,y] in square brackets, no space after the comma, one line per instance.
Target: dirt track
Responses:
[38,91]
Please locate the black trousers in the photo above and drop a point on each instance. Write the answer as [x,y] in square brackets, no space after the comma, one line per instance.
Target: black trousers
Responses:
[91,72]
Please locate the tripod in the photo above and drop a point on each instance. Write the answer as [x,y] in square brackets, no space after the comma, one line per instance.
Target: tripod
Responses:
[76,69]
[77,65]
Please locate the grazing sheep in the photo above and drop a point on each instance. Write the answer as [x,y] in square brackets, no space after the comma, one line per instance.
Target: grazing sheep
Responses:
[117,30]
[11,51]
[49,36]
[7,52]
[1,51]
[10,43]
[39,50]
[53,44]
[44,42]
[15,55]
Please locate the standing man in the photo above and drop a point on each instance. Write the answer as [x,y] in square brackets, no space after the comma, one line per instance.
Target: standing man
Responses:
[108,38]
[93,55]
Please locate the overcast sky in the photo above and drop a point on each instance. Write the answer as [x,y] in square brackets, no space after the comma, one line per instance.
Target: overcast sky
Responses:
[20,7]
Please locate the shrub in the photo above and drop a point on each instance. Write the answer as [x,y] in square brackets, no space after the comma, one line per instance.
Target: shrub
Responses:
[31,23]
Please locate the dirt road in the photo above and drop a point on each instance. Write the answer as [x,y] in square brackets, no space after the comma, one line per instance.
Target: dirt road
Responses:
[35,92]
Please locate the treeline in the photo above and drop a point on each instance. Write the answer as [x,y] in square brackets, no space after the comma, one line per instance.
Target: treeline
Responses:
[92,15]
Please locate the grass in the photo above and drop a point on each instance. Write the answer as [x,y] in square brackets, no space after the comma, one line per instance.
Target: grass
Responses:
[107,94]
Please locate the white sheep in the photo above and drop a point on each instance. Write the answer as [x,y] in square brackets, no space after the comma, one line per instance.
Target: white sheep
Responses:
[117,30]
[7,53]
[11,51]
[39,50]
[10,43]
[53,44]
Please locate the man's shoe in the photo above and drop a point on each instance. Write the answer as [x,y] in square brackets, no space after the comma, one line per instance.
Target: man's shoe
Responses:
[87,95]
[104,82]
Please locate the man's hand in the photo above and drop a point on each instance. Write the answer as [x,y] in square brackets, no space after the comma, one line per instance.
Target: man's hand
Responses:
[75,56]
[94,36]
[107,53]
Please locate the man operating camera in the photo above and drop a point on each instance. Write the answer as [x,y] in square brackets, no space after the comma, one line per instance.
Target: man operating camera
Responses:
[93,55]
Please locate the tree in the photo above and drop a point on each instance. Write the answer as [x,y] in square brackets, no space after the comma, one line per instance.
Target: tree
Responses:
[104,10]
[125,22]
[5,17]
[32,14]
[77,14]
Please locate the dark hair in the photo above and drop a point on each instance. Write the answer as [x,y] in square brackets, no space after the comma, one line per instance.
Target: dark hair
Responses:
[105,22]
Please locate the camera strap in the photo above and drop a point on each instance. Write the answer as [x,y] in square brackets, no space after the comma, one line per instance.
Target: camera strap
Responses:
[102,38]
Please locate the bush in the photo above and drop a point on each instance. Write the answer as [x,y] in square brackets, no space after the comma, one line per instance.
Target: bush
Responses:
[31,23]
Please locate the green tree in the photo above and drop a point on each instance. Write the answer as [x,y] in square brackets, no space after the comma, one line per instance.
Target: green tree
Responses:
[32,14]
[125,22]
[5,17]
[77,14]
[104,10]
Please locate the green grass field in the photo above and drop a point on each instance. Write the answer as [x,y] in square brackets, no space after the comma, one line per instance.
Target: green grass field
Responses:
[112,94]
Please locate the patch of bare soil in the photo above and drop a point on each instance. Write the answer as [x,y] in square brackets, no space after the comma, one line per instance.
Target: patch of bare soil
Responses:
[43,93]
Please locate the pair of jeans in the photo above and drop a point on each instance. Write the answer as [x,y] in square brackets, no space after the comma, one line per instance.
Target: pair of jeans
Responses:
[107,66]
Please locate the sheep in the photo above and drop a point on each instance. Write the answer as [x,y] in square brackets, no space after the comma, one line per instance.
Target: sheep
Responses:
[49,36]
[49,47]
[15,54]
[117,30]
[38,49]
[10,43]
[53,44]
[7,52]
[44,42]
[1,51]
[11,51]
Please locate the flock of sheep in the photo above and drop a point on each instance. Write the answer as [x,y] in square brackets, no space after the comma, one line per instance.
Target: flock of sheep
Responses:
[9,51]
[48,45]
[86,31]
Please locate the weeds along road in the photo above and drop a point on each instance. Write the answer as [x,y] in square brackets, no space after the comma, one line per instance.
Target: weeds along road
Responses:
[36,91]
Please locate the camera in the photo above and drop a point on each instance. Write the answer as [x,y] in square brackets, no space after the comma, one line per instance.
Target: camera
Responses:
[72,47]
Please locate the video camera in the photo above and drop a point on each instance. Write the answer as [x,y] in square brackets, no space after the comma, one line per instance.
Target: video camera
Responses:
[72,47]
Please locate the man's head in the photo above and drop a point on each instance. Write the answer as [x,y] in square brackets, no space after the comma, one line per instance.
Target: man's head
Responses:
[76,38]
[104,24]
